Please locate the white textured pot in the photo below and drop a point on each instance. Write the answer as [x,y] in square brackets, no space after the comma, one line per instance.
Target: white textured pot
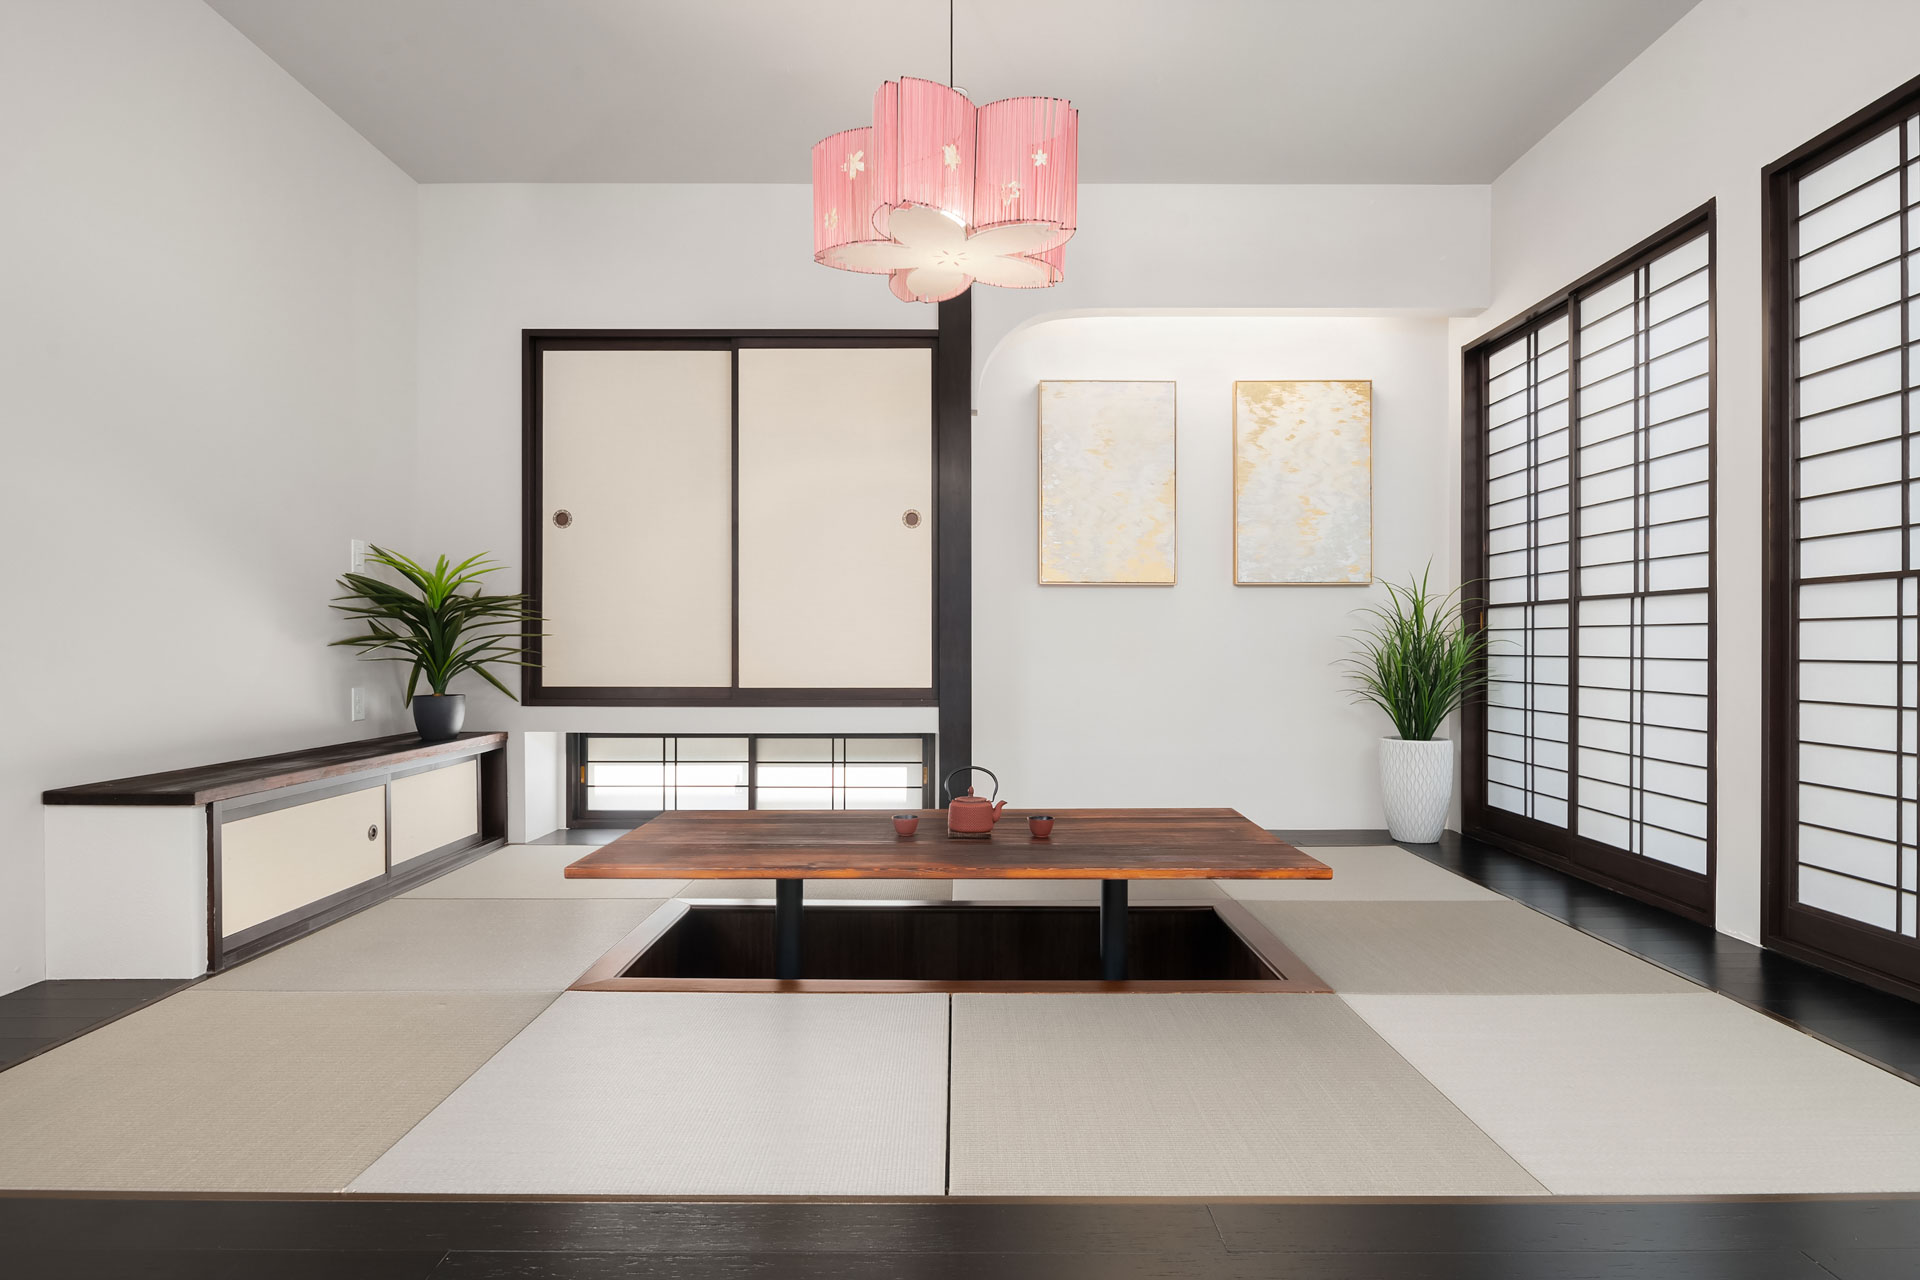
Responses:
[1416,781]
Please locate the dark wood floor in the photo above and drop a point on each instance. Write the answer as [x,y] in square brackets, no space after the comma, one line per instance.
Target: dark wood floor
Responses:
[213,1240]
[36,1018]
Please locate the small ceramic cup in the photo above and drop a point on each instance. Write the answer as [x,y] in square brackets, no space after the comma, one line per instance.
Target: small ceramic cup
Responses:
[906,824]
[1041,824]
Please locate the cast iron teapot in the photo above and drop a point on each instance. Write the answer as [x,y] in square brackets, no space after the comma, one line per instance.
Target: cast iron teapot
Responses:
[969,815]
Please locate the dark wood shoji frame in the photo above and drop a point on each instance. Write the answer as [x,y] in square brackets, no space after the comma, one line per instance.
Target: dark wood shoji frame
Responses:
[1683,892]
[1875,956]
[579,815]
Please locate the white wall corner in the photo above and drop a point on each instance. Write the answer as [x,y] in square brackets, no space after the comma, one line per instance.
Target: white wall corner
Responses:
[536,784]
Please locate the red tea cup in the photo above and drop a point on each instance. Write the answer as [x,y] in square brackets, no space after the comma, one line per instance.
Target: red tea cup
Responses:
[905,824]
[1041,824]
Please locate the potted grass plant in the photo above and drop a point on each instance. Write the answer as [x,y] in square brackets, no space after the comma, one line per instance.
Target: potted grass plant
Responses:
[1417,662]
[435,622]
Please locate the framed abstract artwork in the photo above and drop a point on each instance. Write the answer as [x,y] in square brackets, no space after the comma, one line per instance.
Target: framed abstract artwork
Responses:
[1302,483]
[1108,502]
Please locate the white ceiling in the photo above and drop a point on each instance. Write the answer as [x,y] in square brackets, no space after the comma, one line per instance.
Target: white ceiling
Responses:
[1283,91]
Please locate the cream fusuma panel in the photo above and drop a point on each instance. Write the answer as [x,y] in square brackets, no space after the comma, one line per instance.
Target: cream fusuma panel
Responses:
[836,530]
[434,809]
[276,862]
[636,493]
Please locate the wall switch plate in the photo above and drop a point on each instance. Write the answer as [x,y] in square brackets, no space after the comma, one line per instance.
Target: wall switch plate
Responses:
[356,561]
[358,703]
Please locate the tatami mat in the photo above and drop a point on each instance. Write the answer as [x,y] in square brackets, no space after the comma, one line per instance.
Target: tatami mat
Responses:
[871,890]
[1456,948]
[1379,873]
[447,944]
[1082,890]
[1660,1095]
[1215,1095]
[613,1093]
[536,871]
[244,1090]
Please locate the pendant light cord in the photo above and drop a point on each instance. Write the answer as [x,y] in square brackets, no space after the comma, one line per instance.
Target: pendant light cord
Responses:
[949,44]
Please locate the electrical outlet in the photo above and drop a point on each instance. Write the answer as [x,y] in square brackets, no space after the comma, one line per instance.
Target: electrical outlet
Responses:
[357,705]
[356,561]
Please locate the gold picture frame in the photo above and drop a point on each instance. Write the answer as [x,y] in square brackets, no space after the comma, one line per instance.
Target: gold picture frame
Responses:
[1301,515]
[1108,483]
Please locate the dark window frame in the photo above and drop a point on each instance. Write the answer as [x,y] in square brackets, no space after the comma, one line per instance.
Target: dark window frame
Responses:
[1850,947]
[1687,894]
[580,816]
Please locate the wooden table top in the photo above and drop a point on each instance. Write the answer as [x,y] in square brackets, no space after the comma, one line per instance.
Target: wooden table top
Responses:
[1086,844]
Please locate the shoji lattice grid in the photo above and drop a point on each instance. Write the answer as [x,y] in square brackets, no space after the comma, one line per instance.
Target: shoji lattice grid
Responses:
[1644,513]
[1529,490]
[1856,316]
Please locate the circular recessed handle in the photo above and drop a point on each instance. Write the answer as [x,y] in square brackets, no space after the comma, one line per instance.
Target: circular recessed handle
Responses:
[910,518]
[562,518]
[373,832]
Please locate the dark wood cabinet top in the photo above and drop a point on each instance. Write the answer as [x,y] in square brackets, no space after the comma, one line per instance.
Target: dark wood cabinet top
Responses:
[208,783]
[1086,844]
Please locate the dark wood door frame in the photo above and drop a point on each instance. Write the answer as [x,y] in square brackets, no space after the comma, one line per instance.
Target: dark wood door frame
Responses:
[952,347]
[1677,890]
[1834,942]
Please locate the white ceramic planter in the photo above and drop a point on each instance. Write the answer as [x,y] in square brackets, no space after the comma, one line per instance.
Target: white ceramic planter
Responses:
[1416,781]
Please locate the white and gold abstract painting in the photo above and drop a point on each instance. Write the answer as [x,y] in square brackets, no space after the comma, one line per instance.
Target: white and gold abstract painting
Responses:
[1107,484]
[1302,483]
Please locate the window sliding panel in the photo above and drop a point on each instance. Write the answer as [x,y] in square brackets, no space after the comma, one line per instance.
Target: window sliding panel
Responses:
[1529,443]
[1855,598]
[1643,613]
[1595,430]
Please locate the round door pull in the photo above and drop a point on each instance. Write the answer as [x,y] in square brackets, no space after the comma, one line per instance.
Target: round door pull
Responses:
[910,518]
[562,518]
[373,833]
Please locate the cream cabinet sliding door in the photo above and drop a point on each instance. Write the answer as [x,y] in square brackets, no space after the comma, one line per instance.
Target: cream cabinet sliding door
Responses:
[636,512]
[836,539]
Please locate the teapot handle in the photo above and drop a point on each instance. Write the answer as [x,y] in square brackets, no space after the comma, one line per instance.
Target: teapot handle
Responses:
[948,785]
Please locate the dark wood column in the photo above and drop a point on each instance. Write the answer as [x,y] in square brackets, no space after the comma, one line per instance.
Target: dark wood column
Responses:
[953,535]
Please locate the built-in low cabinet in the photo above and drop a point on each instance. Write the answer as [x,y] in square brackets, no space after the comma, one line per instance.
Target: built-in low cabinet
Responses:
[173,875]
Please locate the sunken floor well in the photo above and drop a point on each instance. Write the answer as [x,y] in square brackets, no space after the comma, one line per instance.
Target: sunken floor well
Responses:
[938,942]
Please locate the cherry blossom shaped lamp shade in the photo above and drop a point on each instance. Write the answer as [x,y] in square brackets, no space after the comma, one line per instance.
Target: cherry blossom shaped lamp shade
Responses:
[938,193]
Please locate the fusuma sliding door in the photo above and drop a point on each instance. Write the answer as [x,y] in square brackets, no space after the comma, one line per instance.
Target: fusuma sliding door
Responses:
[741,520]
[1843,320]
[637,473]
[1589,536]
[836,547]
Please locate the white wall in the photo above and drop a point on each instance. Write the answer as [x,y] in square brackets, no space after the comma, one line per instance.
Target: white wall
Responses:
[206,386]
[1731,87]
[1203,693]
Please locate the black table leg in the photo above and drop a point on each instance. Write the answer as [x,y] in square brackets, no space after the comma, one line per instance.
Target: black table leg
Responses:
[1113,930]
[786,927]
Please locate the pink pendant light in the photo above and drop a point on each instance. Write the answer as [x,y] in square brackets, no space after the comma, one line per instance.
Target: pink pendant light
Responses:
[939,193]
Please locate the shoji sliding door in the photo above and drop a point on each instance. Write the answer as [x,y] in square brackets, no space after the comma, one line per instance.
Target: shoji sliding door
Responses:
[1589,532]
[1843,316]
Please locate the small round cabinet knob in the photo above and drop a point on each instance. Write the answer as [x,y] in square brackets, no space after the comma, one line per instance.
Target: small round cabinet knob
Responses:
[373,833]
[562,518]
[910,518]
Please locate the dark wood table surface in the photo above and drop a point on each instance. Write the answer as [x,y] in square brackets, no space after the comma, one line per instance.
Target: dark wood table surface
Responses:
[1086,844]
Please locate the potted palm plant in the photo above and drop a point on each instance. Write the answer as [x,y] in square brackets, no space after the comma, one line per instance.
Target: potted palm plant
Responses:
[431,622]
[1418,662]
